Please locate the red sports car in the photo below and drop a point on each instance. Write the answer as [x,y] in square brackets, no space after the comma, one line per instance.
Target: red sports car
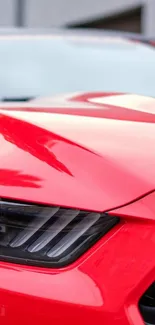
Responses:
[77,179]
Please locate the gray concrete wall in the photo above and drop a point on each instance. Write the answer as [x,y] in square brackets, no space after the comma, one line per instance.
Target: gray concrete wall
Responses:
[58,12]
[49,13]
[149,18]
[7,12]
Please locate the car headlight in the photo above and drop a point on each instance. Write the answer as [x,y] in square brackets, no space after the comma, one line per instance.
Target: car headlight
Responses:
[48,235]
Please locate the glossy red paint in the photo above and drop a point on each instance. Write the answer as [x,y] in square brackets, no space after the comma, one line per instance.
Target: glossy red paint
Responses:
[92,158]
[103,286]
[82,105]
[102,164]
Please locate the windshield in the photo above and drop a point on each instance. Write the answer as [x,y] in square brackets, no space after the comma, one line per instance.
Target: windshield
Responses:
[47,66]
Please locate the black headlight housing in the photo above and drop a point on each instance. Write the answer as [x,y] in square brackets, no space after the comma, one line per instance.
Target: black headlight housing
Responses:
[147,305]
[48,236]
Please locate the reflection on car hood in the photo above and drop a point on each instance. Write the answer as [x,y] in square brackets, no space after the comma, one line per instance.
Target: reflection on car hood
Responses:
[90,151]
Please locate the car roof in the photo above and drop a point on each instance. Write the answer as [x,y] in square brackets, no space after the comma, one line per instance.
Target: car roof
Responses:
[72,31]
[88,33]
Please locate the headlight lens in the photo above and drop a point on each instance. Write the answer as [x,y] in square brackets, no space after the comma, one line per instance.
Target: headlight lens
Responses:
[48,236]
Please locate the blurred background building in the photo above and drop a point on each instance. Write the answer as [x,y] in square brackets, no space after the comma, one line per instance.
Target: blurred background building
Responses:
[127,15]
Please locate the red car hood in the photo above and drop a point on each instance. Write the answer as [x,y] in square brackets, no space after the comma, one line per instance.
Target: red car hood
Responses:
[90,151]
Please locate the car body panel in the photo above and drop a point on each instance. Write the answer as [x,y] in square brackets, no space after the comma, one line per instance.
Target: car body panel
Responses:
[117,106]
[101,163]
[92,151]
[102,286]
[95,161]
